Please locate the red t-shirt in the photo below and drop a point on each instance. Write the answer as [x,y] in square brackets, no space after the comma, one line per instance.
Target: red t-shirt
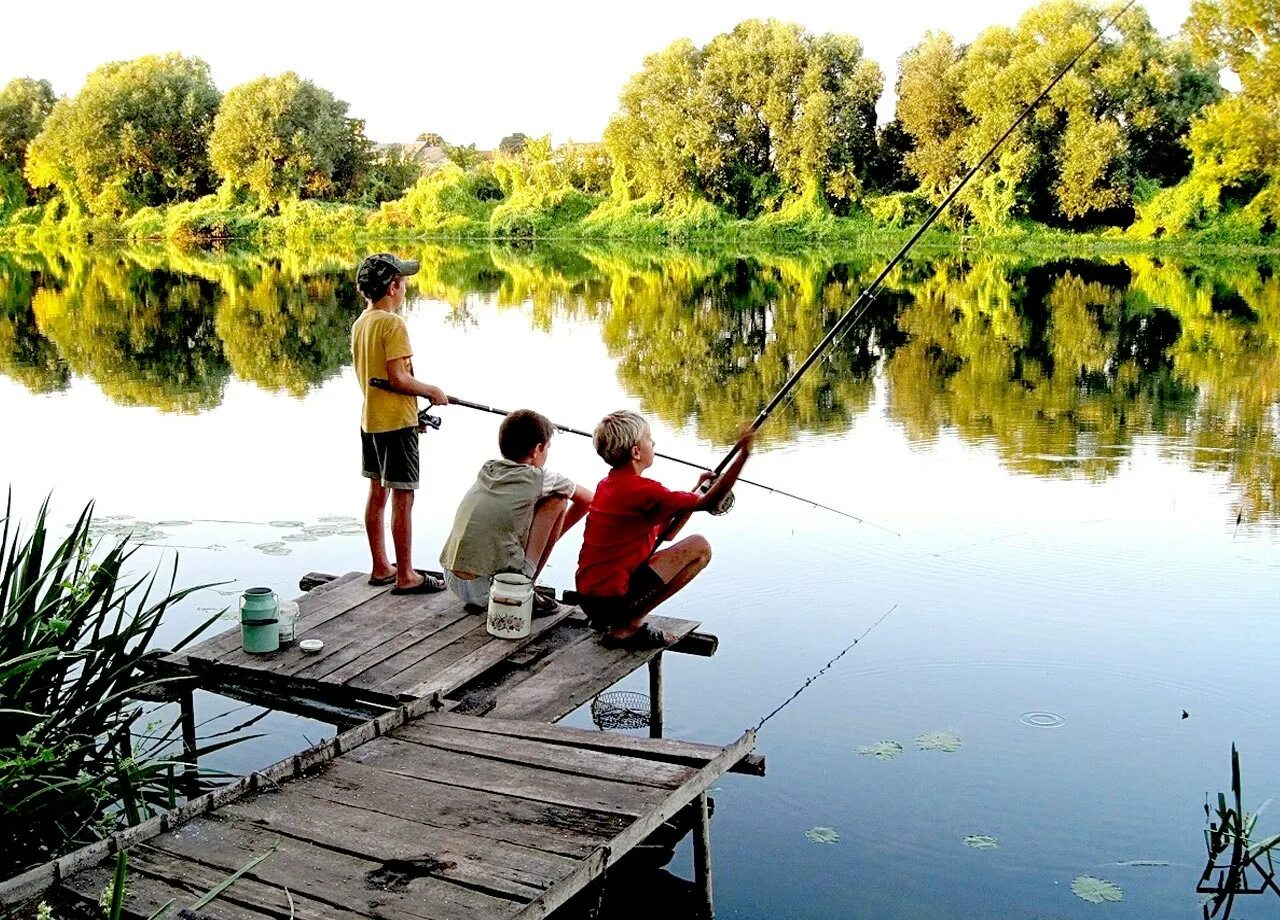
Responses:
[623,524]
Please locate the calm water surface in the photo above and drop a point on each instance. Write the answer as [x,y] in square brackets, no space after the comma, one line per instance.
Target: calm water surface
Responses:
[1080,458]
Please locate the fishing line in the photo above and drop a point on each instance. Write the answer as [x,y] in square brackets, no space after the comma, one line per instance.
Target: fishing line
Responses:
[434,422]
[799,690]
[864,300]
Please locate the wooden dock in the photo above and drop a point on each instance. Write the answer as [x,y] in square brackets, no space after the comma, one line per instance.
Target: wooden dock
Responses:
[381,650]
[452,797]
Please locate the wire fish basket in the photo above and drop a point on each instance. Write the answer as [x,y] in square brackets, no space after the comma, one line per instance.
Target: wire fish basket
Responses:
[620,709]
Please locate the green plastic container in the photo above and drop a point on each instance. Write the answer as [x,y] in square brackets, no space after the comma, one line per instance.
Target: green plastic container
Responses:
[259,621]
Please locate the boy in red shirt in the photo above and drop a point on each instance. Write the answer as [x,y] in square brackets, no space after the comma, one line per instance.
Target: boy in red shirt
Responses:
[620,577]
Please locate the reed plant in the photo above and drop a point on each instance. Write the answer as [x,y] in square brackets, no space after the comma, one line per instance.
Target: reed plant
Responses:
[74,627]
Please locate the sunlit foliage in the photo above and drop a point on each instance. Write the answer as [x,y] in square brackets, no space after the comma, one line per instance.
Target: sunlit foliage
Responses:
[1117,118]
[136,134]
[764,112]
[283,138]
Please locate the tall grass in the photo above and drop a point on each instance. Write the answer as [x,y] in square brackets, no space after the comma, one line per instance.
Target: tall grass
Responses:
[74,626]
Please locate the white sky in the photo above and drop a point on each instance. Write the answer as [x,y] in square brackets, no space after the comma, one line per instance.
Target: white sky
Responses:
[471,71]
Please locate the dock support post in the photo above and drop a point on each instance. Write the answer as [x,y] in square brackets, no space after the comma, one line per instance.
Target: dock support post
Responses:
[655,696]
[190,769]
[702,855]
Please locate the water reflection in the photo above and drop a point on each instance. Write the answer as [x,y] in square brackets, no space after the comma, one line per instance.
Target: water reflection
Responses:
[1061,366]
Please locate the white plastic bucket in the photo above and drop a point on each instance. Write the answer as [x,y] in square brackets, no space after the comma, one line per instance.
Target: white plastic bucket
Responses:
[510,606]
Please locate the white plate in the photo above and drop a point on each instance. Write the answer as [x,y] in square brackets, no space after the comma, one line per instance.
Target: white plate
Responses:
[311,646]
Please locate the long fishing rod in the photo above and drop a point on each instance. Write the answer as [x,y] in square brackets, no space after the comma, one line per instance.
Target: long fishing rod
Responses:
[863,303]
[433,421]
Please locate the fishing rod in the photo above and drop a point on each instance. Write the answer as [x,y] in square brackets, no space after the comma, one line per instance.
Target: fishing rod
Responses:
[868,294]
[433,421]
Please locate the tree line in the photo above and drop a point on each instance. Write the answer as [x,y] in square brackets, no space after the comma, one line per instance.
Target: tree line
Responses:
[766,122]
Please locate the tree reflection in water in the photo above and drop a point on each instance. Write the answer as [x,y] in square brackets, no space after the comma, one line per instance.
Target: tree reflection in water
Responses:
[1058,365]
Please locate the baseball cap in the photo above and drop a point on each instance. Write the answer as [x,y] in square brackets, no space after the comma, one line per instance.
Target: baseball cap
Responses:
[377,272]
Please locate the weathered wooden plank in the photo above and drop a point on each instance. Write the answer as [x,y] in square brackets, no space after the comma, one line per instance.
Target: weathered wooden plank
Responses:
[606,856]
[362,886]
[687,753]
[379,611]
[373,650]
[479,862]
[420,654]
[612,766]
[372,625]
[472,772]
[151,886]
[314,608]
[566,679]
[416,683]
[544,826]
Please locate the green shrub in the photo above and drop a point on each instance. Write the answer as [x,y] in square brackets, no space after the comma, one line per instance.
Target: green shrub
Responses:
[531,215]
[448,201]
[899,210]
[73,631]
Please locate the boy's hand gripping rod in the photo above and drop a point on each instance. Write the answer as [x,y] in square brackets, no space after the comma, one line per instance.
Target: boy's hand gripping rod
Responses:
[865,298]
[383,384]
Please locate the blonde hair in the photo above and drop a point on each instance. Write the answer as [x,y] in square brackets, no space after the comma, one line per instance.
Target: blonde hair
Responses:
[616,434]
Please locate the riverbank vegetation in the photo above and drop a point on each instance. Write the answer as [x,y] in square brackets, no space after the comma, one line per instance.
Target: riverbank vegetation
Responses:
[767,132]
[76,760]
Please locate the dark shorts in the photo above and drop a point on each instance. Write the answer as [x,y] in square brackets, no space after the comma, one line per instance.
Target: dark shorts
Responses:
[391,457]
[605,612]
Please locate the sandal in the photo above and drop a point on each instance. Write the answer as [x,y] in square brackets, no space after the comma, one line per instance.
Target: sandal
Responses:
[544,605]
[643,639]
[430,584]
[383,581]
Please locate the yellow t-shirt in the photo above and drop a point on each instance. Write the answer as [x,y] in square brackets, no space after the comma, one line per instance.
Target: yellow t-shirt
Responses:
[379,336]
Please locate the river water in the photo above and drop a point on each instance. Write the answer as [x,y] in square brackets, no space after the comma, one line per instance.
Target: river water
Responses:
[1066,587]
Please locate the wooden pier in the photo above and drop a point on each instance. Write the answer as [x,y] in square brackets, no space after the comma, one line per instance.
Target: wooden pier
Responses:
[451,797]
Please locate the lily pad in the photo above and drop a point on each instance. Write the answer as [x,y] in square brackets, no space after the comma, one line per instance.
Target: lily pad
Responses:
[339,519]
[822,834]
[284,523]
[351,530]
[1145,863]
[946,741]
[982,841]
[273,549]
[1096,890]
[881,750]
[177,523]
[300,537]
[320,530]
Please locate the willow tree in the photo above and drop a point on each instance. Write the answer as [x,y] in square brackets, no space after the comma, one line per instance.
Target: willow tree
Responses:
[1236,144]
[761,114]
[24,105]
[135,135]
[283,138]
[1116,118]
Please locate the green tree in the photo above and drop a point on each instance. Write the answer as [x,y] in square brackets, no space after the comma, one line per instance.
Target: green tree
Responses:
[1117,118]
[931,112]
[284,138]
[135,135]
[1236,144]
[763,114]
[24,105]
[465,156]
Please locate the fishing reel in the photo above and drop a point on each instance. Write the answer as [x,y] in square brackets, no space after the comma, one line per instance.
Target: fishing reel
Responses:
[427,420]
[722,506]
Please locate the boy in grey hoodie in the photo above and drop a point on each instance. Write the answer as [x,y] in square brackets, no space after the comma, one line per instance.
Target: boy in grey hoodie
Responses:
[512,516]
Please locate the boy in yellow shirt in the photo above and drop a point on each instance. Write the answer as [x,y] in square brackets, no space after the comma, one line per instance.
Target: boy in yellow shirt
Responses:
[389,422]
